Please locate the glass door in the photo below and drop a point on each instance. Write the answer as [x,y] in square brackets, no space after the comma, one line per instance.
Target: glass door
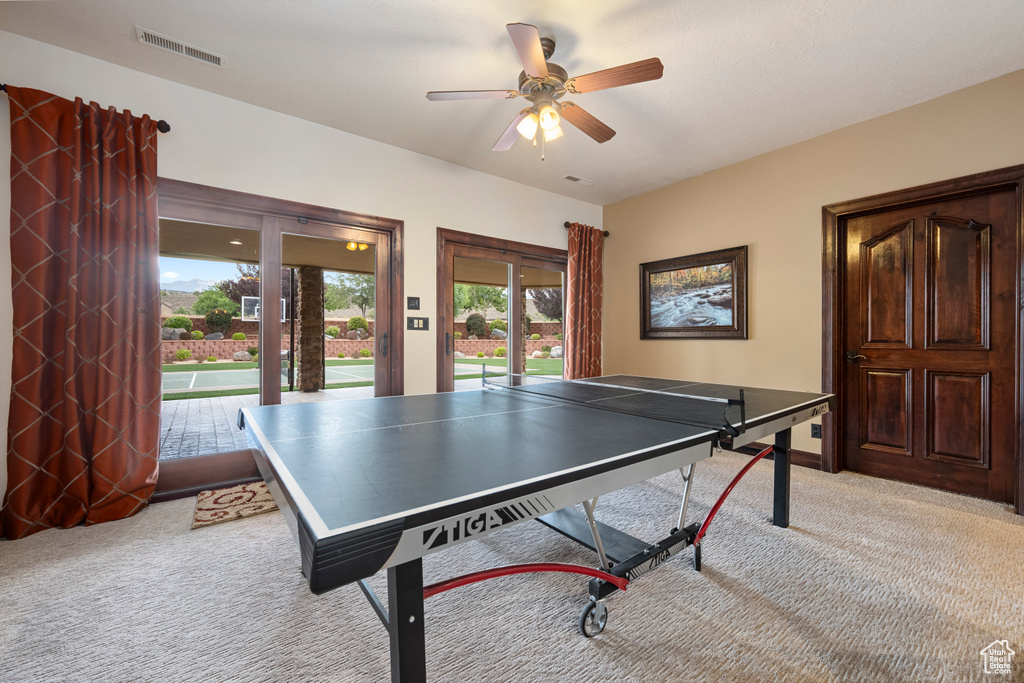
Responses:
[208,349]
[480,321]
[543,309]
[328,342]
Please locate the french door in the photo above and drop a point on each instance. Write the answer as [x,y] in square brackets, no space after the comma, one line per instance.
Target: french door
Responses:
[286,248]
[468,260]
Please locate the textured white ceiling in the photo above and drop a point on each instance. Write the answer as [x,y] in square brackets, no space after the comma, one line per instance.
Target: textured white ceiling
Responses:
[742,77]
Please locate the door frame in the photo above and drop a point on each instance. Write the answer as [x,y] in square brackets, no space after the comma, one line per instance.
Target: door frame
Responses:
[272,217]
[834,219]
[451,243]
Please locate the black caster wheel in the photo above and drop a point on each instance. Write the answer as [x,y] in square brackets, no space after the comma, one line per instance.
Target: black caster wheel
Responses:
[593,618]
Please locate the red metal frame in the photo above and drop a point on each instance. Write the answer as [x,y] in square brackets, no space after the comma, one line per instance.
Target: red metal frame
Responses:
[725,493]
[466,579]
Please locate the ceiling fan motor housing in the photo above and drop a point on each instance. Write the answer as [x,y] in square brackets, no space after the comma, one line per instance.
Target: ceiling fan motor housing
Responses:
[554,83]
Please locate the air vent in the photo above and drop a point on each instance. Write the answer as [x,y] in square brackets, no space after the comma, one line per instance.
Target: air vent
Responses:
[578,181]
[177,47]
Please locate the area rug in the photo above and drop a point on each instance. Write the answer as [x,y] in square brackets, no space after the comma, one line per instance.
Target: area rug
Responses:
[225,505]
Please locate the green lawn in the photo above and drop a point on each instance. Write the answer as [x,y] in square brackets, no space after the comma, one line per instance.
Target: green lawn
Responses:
[534,366]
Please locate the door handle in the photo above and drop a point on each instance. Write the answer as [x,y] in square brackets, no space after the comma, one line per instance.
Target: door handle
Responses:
[852,356]
[447,343]
[384,345]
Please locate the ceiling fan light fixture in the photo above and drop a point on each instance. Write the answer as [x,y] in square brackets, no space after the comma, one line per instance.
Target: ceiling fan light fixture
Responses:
[528,126]
[351,246]
[363,247]
[548,117]
[553,134]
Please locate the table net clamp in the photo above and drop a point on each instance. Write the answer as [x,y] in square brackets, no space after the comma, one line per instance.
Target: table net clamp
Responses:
[619,567]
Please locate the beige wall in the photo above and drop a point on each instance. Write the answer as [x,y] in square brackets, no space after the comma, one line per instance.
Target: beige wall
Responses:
[772,203]
[226,143]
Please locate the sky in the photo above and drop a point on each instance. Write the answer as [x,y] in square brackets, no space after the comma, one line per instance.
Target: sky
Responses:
[179,269]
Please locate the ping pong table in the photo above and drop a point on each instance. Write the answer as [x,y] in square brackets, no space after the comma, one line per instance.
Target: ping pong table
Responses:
[373,484]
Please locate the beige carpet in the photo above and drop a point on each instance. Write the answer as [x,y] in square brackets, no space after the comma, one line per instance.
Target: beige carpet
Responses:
[875,581]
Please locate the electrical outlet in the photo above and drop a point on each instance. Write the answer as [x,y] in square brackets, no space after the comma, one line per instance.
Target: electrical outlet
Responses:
[815,431]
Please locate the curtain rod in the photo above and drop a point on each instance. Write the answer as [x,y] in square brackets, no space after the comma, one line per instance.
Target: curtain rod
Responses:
[161,125]
[606,233]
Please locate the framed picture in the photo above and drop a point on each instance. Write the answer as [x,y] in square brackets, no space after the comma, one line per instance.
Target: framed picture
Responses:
[703,296]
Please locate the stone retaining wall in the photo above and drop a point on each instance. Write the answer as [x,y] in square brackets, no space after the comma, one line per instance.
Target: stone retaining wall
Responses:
[252,328]
[225,348]
[544,329]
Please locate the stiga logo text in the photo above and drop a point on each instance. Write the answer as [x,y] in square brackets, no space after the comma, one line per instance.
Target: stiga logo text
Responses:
[460,529]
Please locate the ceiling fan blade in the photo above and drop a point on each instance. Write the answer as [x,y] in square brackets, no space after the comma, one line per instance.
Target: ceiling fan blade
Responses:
[526,40]
[637,72]
[438,95]
[582,119]
[508,138]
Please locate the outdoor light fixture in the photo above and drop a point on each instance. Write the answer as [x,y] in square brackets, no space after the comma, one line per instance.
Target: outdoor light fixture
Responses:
[235,242]
[352,246]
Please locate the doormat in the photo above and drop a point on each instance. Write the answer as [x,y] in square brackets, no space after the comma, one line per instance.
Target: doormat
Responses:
[225,505]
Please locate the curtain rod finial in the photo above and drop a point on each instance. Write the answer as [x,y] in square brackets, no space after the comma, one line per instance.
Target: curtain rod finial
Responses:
[163,126]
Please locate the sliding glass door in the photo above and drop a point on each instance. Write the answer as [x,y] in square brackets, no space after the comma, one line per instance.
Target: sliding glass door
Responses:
[488,291]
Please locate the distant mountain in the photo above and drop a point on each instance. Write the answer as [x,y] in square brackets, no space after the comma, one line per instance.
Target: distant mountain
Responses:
[193,285]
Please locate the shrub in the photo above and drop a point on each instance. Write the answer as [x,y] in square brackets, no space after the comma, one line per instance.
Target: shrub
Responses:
[200,359]
[181,310]
[527,321]
[358,322]
[211,359]
[545,354]
[238,336]
[499,325]
[255,358]
[182,354]
[341,355]
[479,354]
[476,324]
[365,353]
[458,335]
[333,331]
[196,334]
[534,337]
[253,350]
[218,321]
[558,336]
[500,352]
[545,348]
[180,322]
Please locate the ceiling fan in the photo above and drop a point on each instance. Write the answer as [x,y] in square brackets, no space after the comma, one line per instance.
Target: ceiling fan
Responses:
[544,84]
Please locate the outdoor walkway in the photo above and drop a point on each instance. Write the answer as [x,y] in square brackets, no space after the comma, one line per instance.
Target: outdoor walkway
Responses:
[202,426]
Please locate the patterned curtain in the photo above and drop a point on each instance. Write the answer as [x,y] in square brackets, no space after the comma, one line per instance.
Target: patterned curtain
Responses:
[85,398]
[583,305]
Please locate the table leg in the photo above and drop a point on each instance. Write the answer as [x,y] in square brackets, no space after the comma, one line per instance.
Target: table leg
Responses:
[782,458]
[405,623]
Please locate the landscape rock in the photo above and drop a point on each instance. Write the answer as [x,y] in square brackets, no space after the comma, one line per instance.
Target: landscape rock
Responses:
[556,351]
[352,334]
[536,354]
[215,336]
[472,337]
[242,356]
[499,334]
[459,354]
[724,301]
[173,334]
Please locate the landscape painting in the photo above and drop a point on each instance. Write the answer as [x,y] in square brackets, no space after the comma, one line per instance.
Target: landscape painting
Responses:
[703,296]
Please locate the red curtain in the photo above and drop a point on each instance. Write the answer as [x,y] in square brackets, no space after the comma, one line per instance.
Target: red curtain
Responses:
[583,306]
[83,431]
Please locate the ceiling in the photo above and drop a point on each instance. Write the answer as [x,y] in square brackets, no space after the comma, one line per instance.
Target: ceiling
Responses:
[741,77]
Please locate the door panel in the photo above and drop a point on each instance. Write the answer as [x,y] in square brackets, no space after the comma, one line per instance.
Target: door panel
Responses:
[958,418]
[930,335]
[959,269]
[885,419]
[887,295]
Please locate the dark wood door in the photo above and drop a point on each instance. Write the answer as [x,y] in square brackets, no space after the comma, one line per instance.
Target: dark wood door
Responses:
[929,325]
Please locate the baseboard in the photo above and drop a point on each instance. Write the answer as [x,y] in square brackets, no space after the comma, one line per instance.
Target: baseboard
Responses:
[796,457]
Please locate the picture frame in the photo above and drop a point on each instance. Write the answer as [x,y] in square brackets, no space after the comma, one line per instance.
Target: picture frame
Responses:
[700,296]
